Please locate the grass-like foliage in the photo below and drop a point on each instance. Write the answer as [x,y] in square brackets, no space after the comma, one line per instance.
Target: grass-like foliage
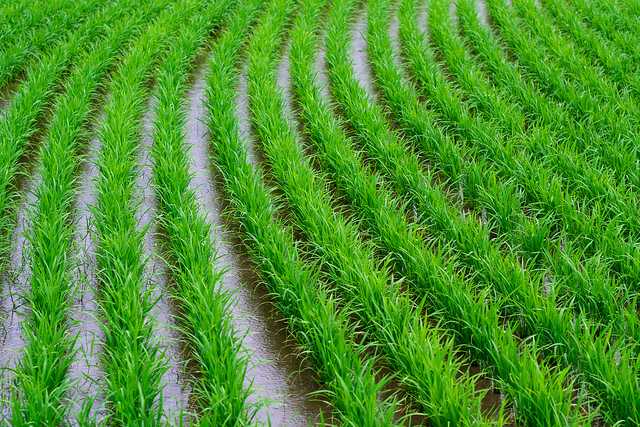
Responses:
[218,387]
[41,385]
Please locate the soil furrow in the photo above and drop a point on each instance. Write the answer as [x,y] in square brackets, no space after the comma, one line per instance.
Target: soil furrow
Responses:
[174,390]
[15,287]
[279,376]
[85,372]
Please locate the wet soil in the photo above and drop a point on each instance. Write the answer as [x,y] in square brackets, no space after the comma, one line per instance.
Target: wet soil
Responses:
[278,374]
[358,53]
[85,372]
[483,14]
[15,286]
[174,389]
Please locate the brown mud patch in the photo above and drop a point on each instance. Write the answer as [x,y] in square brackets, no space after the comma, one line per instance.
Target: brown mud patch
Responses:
[278,375]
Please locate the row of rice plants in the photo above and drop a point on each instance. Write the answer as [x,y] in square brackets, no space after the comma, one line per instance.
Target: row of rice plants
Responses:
[479,94]
[15,17]
[42,373]
[31,43]
[218,381]
[11,13]
[599,373]
[392,322]
[566,263]
[601,51]
[608,21]
[387,153]
[477,243]
[314,318]
[132,361]
[591,184]
[443,400]
[511,79]
[615,126]
[564,51]
[21,120]
[499,175]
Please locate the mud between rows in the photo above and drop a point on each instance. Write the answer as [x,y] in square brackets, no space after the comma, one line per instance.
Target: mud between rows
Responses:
[278,374]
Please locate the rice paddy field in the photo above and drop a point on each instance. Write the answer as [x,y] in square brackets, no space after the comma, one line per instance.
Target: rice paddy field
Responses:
[319,212]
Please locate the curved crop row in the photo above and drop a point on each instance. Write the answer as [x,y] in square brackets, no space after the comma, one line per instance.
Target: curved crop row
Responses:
[41,386]
[589,183]
[133,364]
[616,126]
[391,320]
[19,123]
[17,17]
[509,180]
[443,399]
[319,326]
[553,326]
[601,51]
[218,386]
[409,181]
[567,267]
[31,42]
[574,126]
[607,20]
[557,48]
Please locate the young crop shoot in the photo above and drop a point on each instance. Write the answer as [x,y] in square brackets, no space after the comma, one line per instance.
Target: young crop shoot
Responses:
[219,384]
[313,316]
[320,212]
[41,386]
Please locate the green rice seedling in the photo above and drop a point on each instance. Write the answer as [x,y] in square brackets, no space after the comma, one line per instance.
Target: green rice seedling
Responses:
[568,55]
[132,362]
[17,16]
[528,236]
[615,123]
[31,42]
[41,377]
[480,95]
[590,227]
[608,21]
[601,51]
[557,327]
[313,316]
[600,150]
[218,387]
[583,178]
[392,323]
[443,400]
[20,121]
[554,327]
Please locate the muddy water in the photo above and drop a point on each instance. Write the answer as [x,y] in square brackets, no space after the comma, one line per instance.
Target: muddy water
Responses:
[320,66]
[394,37]
[7,93]
[242,112]
[423,16]
[278,376]
[358,53]
[453,14]
[15,285]
[175,391]
[85,371]
[285,86]
[483,14]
